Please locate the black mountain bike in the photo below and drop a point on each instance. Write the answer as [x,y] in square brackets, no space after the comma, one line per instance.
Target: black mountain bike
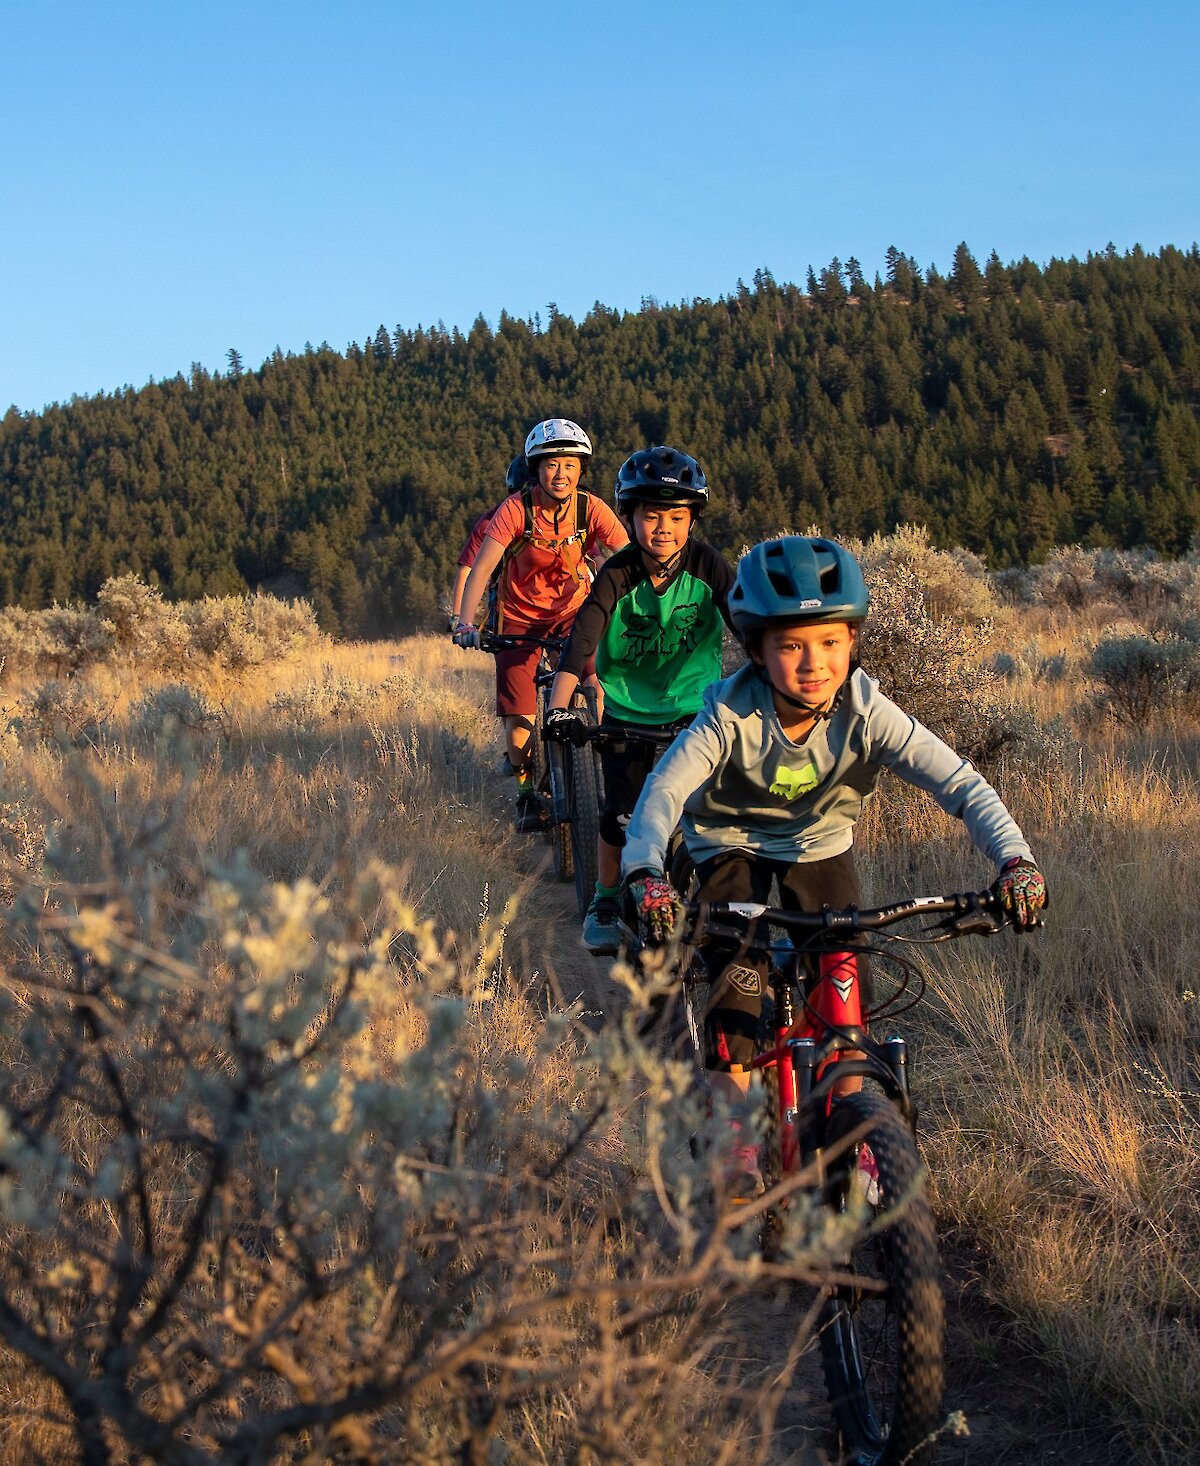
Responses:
[577,785]
[558,835]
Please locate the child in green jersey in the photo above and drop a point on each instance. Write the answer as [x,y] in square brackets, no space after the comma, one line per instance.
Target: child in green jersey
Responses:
[654,620]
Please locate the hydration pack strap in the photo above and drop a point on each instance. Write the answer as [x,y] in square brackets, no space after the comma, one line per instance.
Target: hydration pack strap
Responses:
[576,565]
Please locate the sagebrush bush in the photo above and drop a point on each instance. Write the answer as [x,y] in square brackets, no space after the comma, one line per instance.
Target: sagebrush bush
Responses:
[954,584]
[926,641]
[22,845]
[1074,578]
[299,1178]
[176,710]
[336,699]
[60,640]
[23,832]
[142,624]
[1145,678]
[132,623]
[66,712]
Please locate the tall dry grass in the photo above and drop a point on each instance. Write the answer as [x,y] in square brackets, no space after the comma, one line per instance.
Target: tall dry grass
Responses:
[1057,1074]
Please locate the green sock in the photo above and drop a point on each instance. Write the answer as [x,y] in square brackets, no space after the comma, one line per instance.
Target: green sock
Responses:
[524,780]
[607,890]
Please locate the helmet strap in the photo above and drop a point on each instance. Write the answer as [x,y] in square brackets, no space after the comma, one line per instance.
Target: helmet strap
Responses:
[665,567]
[554,506]
[819,712]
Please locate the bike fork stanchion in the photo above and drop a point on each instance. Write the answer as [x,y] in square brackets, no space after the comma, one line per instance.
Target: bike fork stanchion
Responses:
[785,1077]
[804,1063]
[895,1051]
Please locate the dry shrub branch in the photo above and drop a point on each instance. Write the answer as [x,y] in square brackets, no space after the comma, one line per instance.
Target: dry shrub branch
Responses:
[284,1177]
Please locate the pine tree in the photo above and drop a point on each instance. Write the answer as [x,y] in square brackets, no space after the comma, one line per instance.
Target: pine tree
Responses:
[965,279]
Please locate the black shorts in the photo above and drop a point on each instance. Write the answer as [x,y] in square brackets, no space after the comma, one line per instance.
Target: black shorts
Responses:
[625,767]
[736,987]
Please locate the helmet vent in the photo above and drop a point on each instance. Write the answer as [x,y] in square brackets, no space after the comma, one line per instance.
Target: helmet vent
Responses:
[830,579]
[780,583]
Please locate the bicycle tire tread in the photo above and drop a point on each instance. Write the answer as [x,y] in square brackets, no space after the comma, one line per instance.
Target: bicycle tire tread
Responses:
[584,828]
[915,1286]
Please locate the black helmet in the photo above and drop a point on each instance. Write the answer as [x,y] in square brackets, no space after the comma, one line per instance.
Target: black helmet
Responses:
[518,474]
[662,476]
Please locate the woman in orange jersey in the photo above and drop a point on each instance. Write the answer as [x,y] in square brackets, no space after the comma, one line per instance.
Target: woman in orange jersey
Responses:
[540,540]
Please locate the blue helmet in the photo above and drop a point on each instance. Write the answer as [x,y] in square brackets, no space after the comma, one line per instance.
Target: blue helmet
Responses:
[796,578]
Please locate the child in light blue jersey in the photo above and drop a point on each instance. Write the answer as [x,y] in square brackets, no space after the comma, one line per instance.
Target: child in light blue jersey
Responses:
[772,775]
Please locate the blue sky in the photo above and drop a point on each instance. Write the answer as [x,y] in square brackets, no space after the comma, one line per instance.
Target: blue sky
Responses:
[182,178]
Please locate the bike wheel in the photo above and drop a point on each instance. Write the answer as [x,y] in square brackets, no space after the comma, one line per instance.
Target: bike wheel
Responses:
[558,832]
[550,772]
[583,792]
[881,1333]
[537,745]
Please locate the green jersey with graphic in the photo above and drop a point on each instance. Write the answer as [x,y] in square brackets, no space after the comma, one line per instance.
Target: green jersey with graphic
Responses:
[656,650]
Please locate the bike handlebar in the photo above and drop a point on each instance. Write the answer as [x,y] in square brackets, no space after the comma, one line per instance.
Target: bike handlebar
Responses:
[490,642]
[971,912]
[628,733]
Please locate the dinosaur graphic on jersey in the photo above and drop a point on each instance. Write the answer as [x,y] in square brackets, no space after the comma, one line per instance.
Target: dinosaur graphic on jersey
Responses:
[642,635]
[684,621]
[646,636]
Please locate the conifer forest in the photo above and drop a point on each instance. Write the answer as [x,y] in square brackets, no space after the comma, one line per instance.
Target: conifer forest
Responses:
[1009,408]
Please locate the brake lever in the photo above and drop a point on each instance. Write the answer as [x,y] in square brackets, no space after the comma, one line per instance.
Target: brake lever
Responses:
[705,927]
[973,923]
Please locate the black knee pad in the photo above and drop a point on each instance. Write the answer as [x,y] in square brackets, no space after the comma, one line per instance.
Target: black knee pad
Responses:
[612,827]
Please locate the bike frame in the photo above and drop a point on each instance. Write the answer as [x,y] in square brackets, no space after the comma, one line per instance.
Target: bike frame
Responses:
[614,734]
[826,1042]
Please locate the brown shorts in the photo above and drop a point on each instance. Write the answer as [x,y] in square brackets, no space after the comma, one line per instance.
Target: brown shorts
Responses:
[516,670]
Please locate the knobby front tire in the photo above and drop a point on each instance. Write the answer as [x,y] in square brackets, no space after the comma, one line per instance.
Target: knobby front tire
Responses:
[559,833]
[552,763]
[881,1347]
[583,776]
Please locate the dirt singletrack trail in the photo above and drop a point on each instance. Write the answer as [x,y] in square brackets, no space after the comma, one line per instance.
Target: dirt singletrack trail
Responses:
[997,1385]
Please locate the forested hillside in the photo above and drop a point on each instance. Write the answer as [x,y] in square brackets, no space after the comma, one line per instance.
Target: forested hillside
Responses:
[1009,408]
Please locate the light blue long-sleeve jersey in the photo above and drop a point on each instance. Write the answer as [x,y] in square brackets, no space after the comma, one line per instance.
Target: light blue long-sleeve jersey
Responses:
[740,783]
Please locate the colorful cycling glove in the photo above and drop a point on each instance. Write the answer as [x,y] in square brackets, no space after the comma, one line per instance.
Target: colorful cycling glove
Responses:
[466,636]
[1022,892]
[657,903]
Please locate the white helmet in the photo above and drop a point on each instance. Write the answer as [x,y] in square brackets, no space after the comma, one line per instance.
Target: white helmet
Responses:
[558,435]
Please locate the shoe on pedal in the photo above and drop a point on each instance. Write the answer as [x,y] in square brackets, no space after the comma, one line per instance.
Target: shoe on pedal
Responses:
[866,1176]
[742,1181]
[530,820]
[602,931]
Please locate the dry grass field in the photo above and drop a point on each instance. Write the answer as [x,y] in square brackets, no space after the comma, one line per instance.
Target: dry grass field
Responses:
[321,1139]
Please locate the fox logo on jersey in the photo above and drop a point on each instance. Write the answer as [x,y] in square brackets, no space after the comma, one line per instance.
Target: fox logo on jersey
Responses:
[791,783]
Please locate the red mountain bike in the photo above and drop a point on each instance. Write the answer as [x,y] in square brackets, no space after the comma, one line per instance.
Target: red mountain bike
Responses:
[882,1324]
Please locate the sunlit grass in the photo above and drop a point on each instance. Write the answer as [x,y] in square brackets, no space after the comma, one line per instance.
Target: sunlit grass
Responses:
[1058,1074]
